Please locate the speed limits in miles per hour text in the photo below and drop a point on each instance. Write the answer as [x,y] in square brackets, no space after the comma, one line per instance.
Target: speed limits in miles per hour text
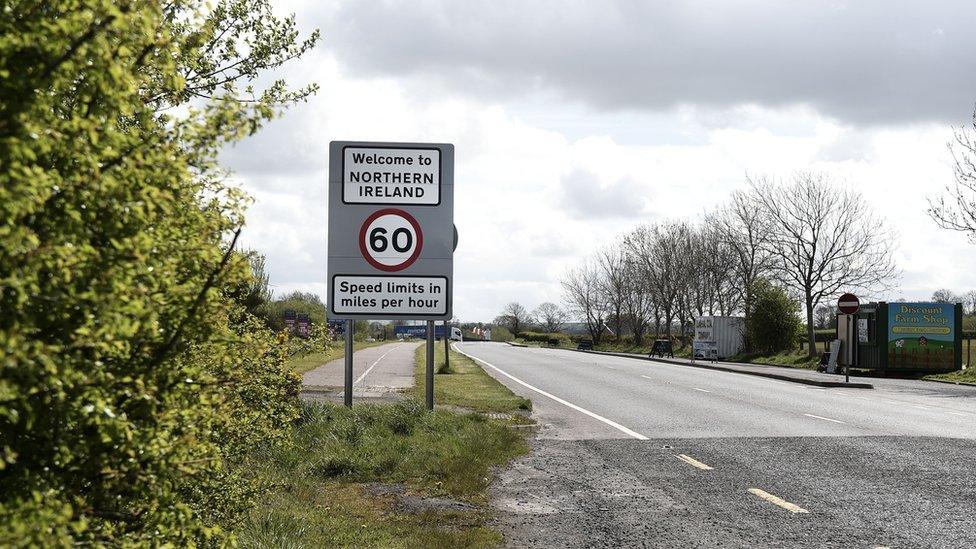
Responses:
[391,230]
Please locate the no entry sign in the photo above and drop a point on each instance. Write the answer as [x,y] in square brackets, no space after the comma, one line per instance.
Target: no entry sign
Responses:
[391,230]
[848,304]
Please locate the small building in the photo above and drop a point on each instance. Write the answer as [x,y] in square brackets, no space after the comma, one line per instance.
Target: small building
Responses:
[718,337]
[917,337]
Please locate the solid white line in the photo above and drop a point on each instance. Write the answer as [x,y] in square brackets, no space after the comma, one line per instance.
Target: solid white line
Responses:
[778,501]
[368,370]
[595,416]
[702,390]
[693,462]
[826,418]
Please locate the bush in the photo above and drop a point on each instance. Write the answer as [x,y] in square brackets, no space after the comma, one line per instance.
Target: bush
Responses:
[539,337]
[773,324]
[131,385]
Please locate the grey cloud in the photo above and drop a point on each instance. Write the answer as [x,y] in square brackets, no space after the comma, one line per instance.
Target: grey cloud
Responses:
[584,196]
[864,62]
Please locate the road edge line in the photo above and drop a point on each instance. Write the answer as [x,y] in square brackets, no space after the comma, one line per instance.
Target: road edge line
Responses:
[580,409]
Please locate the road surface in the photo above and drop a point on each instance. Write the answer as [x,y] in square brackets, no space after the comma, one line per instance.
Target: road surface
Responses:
[636,453]
[381,369]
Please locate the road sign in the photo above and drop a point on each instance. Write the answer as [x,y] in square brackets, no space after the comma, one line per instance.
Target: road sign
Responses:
[391,230]
[390,239]
[848,304]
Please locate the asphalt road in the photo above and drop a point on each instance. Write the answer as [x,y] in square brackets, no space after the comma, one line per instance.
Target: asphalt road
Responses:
[379,369]
[636,453]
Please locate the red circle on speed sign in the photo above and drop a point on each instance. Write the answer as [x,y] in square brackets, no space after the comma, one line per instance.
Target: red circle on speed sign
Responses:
[390,239]
[848,304]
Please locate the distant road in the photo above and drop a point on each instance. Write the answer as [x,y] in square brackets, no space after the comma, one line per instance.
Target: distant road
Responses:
[381,368]
[634,452]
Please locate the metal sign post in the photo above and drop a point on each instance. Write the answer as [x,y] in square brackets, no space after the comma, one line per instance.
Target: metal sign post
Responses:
[350,328]
[391,237]
[429,378]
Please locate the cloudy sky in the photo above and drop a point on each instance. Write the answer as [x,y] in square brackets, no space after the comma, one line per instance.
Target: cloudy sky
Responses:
[576,121]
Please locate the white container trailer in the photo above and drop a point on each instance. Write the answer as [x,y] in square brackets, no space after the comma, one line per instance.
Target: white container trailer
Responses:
[718,337]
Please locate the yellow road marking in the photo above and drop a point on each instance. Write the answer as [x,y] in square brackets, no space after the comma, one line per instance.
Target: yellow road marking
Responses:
[778,501]
[693,462]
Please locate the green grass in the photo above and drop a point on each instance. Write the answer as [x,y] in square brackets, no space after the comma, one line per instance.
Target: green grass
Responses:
[465,384]
[304,363]
[318,498]
[792,359]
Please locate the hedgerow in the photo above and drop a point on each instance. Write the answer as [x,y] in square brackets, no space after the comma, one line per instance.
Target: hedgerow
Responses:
[131,384]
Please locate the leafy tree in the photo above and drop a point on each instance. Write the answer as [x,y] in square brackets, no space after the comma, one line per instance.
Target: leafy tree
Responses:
[300,302]
[774,322]
[127,398]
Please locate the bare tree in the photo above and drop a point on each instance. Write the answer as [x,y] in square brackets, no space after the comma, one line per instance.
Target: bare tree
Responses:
[550,316]
[515,317]
[956,209]
[824,316]
[825,240]
[970,301]
[946,295]
[744,227]
[638,301]
[585,298]
[613,278]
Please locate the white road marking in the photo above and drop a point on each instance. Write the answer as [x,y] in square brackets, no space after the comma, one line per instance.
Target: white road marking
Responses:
[702,390]
[368,370]
[593,415]
[693,462]
[826,418]
[778,501]
[646,377]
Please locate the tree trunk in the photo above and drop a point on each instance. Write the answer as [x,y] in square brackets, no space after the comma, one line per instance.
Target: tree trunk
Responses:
[811,337]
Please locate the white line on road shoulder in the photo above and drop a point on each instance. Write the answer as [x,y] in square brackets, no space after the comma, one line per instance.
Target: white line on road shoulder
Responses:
[598,417]
[368,370]
[826,418]
[778,501]
[693,462]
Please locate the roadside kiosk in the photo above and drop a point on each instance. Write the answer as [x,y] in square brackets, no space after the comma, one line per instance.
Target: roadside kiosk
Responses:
[917,337]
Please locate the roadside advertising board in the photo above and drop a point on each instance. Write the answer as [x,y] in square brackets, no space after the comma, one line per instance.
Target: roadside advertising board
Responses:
[391,230]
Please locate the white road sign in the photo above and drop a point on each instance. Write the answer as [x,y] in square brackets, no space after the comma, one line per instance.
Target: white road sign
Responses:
[391,239]
[388,175]
[391,230]
[393,295]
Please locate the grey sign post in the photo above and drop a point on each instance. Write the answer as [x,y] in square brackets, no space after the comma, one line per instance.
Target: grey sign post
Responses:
[391,237]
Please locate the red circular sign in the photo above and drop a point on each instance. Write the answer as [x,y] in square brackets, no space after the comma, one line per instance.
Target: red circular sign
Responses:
[390,239]
[848,304]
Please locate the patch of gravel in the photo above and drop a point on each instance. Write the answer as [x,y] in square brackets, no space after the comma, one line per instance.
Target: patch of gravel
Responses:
[414,504]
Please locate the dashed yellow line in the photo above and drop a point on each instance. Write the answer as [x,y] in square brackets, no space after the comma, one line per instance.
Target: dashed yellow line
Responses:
[693,462]
[778,501]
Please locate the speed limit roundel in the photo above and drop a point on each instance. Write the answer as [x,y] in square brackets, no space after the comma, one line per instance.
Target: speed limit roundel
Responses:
[390,239]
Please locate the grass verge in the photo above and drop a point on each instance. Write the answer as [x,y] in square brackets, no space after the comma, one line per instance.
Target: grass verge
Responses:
[967,376]
[465,384]
[321,478]
[304,363]
[791,359]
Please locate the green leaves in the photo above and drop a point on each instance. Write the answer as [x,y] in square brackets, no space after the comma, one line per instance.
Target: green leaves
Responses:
[130,386]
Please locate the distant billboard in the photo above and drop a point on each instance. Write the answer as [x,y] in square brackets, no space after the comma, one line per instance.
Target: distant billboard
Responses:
[921,335]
